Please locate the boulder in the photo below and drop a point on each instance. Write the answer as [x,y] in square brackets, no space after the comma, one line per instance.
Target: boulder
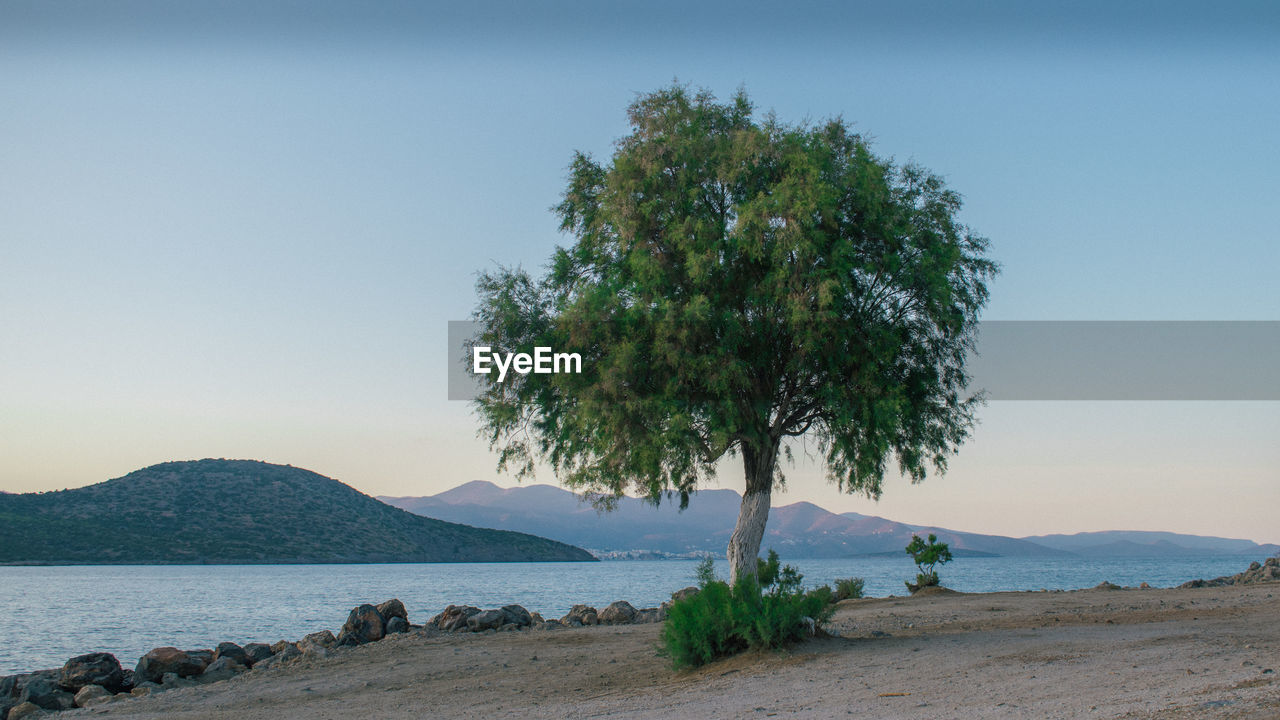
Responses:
[287,652]
[128,680]
[618,613]
[173,681]
[537,618]
[392,608]
[232,652]
[98,668]
[486,620]
[45,692]
[255,652]
[688,592]
[224,668]
[397,625]
[579,614]
[153,666]
[91,695]
[1107,585]
[279,646]
[25,710]
[364,625]
[205,656]
[647,615]
[517,615]
[323,639]
[144,688]
[454,617]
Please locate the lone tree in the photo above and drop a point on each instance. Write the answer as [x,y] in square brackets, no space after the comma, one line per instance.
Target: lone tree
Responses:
[734,284]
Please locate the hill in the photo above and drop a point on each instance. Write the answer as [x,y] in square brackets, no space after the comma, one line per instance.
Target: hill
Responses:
[1141,543]
[797,530]
[242,511]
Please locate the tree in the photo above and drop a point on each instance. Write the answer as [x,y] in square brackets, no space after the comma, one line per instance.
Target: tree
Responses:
[734,284]
[926,557]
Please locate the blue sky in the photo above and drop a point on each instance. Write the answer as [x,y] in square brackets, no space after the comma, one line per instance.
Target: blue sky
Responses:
[233,229]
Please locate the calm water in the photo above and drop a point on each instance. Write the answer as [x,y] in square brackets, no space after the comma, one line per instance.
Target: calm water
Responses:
[53,613]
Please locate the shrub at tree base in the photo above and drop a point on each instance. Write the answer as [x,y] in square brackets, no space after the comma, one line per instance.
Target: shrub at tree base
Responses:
[764,610]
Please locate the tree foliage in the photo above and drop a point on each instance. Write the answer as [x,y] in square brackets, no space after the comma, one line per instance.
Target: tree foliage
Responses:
[734,282]
[927,555]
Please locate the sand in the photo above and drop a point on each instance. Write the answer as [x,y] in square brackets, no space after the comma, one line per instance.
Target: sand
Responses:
[1190,653]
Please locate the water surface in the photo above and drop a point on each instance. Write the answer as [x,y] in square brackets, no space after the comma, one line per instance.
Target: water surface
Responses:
[53,613]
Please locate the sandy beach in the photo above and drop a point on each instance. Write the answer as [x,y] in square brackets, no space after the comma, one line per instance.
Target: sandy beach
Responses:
[1131,653]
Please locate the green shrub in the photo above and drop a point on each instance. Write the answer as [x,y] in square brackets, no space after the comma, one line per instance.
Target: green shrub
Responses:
[847,588]
[765,610]
[926,556]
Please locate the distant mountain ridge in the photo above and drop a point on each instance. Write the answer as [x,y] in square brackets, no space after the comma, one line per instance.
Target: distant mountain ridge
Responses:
[242,511]
[797,530]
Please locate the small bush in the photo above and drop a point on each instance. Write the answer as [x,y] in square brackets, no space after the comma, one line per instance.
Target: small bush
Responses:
[926,556]
[765,610]
[847,588]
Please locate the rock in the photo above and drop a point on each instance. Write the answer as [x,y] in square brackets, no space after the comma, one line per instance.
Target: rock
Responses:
[454,617]
[173,681]
[224,668]
[517,615]
[281,645]
[618,613]
[322,640]
[257,652]
[486,620]
[1268,571]
[647,615]
[25,710]
[43,691]
[93,669]
[203,656]
[364,625]
[153,666]
[1144,586]
[1105,585]
[578,615]
[90,695]
[549,625]
[397,625]
[688,592]
[128,681]
[392,608]
[144,688]
[232,652]
[287,652]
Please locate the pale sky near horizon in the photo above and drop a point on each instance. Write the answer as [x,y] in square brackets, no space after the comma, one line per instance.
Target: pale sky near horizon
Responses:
[238,229]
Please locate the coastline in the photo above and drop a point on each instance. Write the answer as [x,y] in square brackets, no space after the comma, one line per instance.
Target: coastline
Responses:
[1131,653]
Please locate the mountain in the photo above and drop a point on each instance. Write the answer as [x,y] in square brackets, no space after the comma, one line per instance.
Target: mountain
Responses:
[1141,543]
[242,511]
[797,530]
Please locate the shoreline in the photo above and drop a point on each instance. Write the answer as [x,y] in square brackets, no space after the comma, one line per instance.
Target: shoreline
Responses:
[1124,653]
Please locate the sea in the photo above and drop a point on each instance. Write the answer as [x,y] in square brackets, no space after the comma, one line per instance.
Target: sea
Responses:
[53,613]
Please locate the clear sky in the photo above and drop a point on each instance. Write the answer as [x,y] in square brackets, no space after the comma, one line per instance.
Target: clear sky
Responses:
[237,229]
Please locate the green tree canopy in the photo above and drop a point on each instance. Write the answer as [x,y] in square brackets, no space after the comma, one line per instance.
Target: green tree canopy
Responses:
[733,283]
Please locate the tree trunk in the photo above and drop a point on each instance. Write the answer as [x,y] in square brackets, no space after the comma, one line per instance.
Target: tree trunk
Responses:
[744,544]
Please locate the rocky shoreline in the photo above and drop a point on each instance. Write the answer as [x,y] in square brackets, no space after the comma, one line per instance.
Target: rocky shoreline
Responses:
[98,678]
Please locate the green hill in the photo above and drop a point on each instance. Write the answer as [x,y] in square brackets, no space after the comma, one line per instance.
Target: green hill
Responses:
[242,511]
